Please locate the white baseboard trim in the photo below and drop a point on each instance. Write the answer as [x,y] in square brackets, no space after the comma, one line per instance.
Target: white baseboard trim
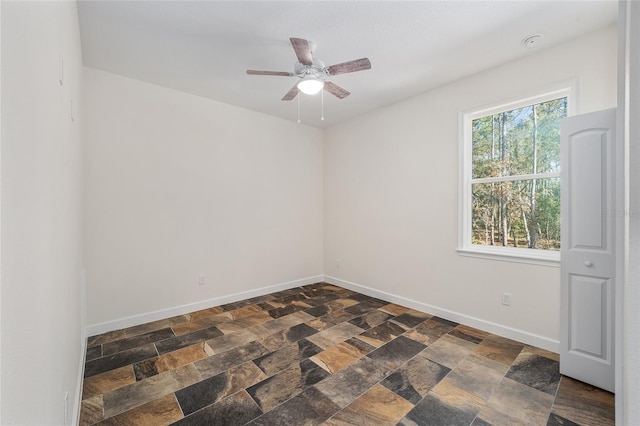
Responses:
[77,401]
[491,327]
[133,320]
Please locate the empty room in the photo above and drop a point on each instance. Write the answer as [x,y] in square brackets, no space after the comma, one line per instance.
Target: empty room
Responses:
[319,212]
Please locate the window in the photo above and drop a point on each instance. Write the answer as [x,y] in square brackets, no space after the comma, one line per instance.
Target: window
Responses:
[510,198]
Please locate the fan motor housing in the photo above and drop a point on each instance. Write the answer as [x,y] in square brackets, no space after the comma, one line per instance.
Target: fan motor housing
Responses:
[316,69]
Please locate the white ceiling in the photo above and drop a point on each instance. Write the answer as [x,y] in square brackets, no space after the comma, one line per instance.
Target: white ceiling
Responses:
[205,47]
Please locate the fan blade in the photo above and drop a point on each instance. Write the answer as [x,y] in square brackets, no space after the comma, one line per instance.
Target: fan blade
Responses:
[303,50]
[291,93]
[280,73]
[350,66]
[336,90]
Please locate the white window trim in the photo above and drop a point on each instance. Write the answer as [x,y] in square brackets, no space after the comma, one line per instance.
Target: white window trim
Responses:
[509,254]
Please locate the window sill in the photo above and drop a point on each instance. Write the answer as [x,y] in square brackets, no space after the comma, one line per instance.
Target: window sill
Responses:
[505,254]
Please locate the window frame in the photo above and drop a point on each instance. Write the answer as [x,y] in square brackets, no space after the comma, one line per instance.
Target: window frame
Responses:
[465,245]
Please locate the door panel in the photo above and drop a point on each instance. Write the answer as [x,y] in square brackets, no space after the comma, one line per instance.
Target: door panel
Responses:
[588,167]
[588,311]
[588,258]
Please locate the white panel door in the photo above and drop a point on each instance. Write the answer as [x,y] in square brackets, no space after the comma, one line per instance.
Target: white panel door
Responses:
[588,248]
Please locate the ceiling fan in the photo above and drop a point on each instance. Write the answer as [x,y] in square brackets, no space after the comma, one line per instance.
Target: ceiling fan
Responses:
[312,72]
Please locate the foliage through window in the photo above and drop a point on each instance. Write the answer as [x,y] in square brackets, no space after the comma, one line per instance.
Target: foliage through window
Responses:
[513,185]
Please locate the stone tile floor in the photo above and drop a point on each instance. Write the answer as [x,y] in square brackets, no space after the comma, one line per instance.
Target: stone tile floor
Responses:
[321,354]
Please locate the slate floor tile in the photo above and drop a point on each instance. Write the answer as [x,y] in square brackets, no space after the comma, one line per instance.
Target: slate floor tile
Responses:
[93,353]
[241,324]
[359,297]
[334,335]
[377,406]
[348,384]
[381,334]
[310,407]
[371,319]
[475,377]
[218,363]
[156,325]
[227,342]
[171,360]
[411,318]
[341,304]
[519,401]
[286,322]
[185,340]
[283,338]
[276,389]
[584,404]
[285,310]
[536,371]
[448,351]
[556,420]
[236,409]
[108,381]
[362,347]
[91,411]
[159,412]
[415,379]
[281,359]
[491,416]
[318,311]
[542,352]
[363,307]
[445,322]
[394,309]
[215,388]
[244,310]
[333,318]
[120,359]
[396,352]
[139,393]
[433,410]
[198,324]
[469,333]
[429,331]
[337,357]
[499,349]
[103,338]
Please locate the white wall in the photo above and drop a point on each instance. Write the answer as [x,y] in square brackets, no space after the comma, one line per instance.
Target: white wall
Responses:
[179,186]
[391,196]
[41,213]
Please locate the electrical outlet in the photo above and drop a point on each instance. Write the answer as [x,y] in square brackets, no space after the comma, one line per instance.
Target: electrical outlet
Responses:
[338,263]
[506,299]
[201,279]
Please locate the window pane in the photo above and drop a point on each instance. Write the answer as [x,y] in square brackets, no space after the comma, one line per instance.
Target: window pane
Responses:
[522,214]
[521,141]
[548,148]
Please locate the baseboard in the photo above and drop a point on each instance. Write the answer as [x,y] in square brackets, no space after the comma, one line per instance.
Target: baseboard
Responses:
[131,321]
[77,401]
[491,327]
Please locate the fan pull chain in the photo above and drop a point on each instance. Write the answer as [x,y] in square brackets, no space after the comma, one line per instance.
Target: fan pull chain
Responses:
[299,95]
[322,98]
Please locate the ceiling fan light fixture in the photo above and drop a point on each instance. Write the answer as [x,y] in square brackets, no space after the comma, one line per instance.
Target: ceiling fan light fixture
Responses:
[310,86]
